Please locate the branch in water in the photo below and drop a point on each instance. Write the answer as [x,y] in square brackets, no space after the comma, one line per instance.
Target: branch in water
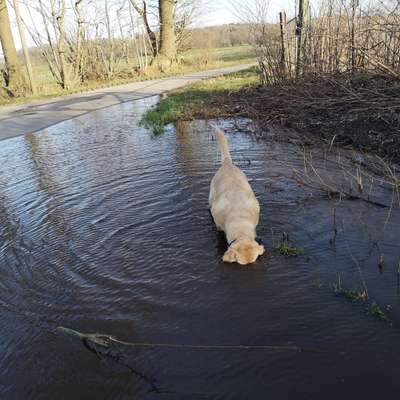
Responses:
[108,341]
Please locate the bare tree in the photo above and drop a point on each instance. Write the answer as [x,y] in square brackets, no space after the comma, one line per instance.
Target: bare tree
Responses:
[185,12]
[85,40]
[111,57]
[63,51]
[340,36]
[49,45]
[167,52]
[138,42]
[59,20]
[24,46]
[13,73]
[142,11]
[80,35]
[171,20]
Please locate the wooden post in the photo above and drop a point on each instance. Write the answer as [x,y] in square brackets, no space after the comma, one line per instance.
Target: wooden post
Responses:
[24,47]
[299,28]
[354,5]
[282,21]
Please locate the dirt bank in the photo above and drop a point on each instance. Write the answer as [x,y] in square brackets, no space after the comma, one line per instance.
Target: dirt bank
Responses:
[360,110]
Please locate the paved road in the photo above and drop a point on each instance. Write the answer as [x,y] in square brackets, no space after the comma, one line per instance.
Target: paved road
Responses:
[25,118]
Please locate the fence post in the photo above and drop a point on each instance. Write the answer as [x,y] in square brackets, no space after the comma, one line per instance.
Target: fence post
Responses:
[299,27]
[282,21]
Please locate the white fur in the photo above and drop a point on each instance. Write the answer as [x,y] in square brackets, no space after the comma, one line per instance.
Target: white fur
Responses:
[235,208]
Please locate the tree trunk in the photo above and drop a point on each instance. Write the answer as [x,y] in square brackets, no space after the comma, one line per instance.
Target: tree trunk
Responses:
[80,36]
[152,36]
[14,73]
[167,29]
[167,51]
[111,61]
[61,45]
[150,33]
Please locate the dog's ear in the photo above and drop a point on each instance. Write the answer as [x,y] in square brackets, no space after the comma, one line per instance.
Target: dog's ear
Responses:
[230,256]
[261,249]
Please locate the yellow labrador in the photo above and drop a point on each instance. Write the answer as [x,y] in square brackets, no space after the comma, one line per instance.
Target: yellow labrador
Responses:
[234,208]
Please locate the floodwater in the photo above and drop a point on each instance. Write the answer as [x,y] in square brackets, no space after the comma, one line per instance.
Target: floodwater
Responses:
[105,228]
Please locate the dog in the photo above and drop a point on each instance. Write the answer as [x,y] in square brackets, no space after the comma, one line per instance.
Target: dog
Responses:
[234,208]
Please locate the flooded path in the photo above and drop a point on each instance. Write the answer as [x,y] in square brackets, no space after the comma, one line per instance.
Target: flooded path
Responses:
[104,228]
[27,118]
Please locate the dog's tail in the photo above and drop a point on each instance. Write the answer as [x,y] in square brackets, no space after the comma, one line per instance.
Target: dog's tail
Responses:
[223,145]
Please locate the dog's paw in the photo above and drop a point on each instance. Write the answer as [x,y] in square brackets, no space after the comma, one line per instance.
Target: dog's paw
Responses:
[230,256]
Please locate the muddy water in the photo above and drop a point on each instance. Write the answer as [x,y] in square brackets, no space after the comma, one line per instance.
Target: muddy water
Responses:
[104,228]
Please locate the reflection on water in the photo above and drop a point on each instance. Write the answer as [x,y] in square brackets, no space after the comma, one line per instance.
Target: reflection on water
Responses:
[104,228]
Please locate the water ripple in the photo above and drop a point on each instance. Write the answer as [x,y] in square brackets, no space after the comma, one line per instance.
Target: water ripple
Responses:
[106,228]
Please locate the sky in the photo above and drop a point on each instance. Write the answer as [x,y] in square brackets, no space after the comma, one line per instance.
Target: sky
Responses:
[228,11]
[216,12]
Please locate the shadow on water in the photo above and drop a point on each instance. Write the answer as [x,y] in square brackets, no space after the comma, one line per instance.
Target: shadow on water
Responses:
[105,228]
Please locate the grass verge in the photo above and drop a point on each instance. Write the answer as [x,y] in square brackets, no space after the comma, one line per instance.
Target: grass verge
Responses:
[360,110]
[197,100]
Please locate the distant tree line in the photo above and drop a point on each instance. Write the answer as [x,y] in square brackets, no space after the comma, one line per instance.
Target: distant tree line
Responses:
[195,38]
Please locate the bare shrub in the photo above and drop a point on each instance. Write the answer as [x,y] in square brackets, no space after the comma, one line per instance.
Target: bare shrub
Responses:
[337,36]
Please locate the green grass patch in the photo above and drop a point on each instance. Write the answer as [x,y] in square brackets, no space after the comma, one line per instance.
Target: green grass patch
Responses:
[377,311]
[286,247]
[165,112]
[287,250]
[353,295]
[361,295]
[198,100]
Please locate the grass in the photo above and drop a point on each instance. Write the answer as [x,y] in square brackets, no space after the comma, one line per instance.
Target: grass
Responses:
[197,99]
[353,295]
[378,312]
[164,113]
[191,60]
[235,54]
[360,295]
[286,248]
[350,294]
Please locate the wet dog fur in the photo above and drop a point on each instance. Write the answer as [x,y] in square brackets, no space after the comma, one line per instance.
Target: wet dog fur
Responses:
[235,208]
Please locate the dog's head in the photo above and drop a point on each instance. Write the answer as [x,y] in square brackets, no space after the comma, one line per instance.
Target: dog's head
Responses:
[243,251]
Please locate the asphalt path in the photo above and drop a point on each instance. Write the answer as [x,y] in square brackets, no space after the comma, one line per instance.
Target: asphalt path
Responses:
[25,118]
